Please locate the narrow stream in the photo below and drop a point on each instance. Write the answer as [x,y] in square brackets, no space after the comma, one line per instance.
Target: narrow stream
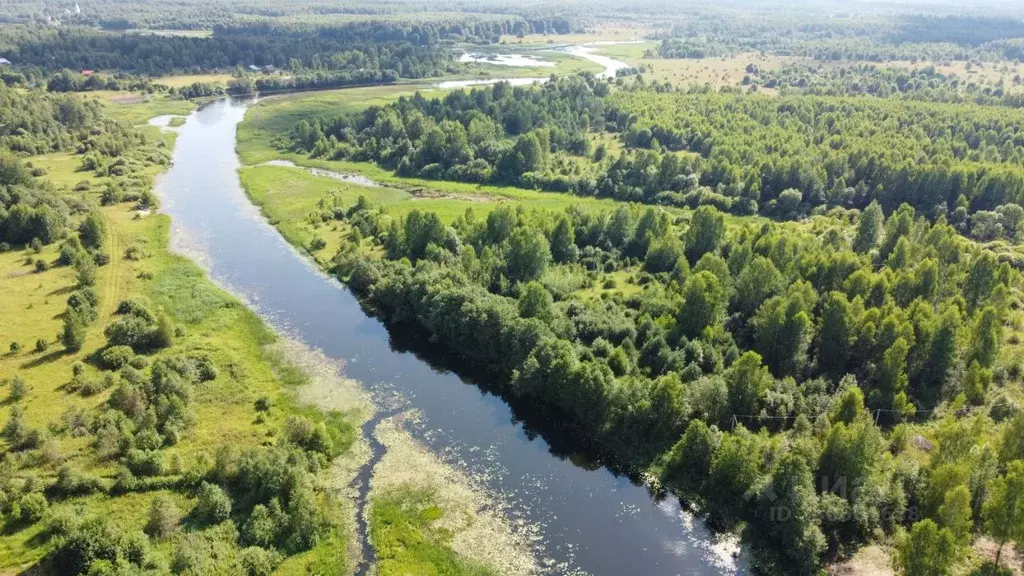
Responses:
[588,519]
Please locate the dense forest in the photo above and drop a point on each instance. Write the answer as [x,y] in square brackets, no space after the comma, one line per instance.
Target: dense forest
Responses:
[483,20]
[782,157]
[925,83]
[748,353]
[346,49]
[868,37]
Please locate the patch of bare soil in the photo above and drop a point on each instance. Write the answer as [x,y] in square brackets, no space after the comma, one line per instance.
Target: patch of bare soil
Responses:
[427,194]
[986,549]
[128,99]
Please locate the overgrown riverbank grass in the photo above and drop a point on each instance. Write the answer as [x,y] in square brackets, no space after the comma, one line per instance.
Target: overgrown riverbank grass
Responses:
[277,115]
[563,64]
[408,541]
[138,108]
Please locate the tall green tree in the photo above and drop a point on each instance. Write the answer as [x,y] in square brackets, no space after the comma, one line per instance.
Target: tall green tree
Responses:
[1004,511]
[528,255]
[703,304]
[836,336]
[869,227]
[563,242]
[783,329]
[927,551]
[705,233]
[536,302]
[689,461]
[757,282]
[93,231]
[986,335]
[749,383]
[788,522]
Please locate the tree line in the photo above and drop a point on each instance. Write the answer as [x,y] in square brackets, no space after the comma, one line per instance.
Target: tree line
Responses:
[751,355]
[783,157]
[924,83]
[154,55]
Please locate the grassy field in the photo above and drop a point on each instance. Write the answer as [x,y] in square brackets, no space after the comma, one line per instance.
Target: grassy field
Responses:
[189,79]
[139,108]
[613,32]
[180,33]
[211,321]
[564,64]
[278,115]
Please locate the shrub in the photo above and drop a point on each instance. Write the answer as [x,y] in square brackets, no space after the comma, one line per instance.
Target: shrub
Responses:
[116,357]
[73,333]
[60,521]
[83,186]
[15,347]
[110,196]
[41,266]
[134,253]
[94,541]
[18,389]
[145,462]
[308,435]
[135,307]
[131,331]
[70,251]
[101,258]
[42,345]
[214,503]
[259,562]
[148,200]
[72,483]
[39,171]
[33,507]
[163,336]
[85,271]
[163,518]
[263,404]
[36,245]
[261,527]
[317,244]
[83,297]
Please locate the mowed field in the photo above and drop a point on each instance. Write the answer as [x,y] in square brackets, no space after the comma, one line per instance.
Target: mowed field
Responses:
[188,79]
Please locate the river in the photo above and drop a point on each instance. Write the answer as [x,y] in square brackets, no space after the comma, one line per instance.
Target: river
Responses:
[589,519]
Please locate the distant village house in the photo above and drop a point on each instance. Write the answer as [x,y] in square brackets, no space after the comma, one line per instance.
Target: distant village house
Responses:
[5,62]
[87,73]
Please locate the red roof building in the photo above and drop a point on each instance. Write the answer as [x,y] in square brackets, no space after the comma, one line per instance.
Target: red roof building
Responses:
[86,72]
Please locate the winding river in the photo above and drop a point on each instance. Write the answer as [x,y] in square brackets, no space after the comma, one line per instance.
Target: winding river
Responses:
[588,519]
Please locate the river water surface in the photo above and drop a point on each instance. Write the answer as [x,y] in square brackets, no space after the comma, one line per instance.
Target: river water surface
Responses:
[587,519]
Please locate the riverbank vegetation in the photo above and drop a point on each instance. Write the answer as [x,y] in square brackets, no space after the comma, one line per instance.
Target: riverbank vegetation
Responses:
[782,157]
[786,290]
[147,427]
[824,359]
